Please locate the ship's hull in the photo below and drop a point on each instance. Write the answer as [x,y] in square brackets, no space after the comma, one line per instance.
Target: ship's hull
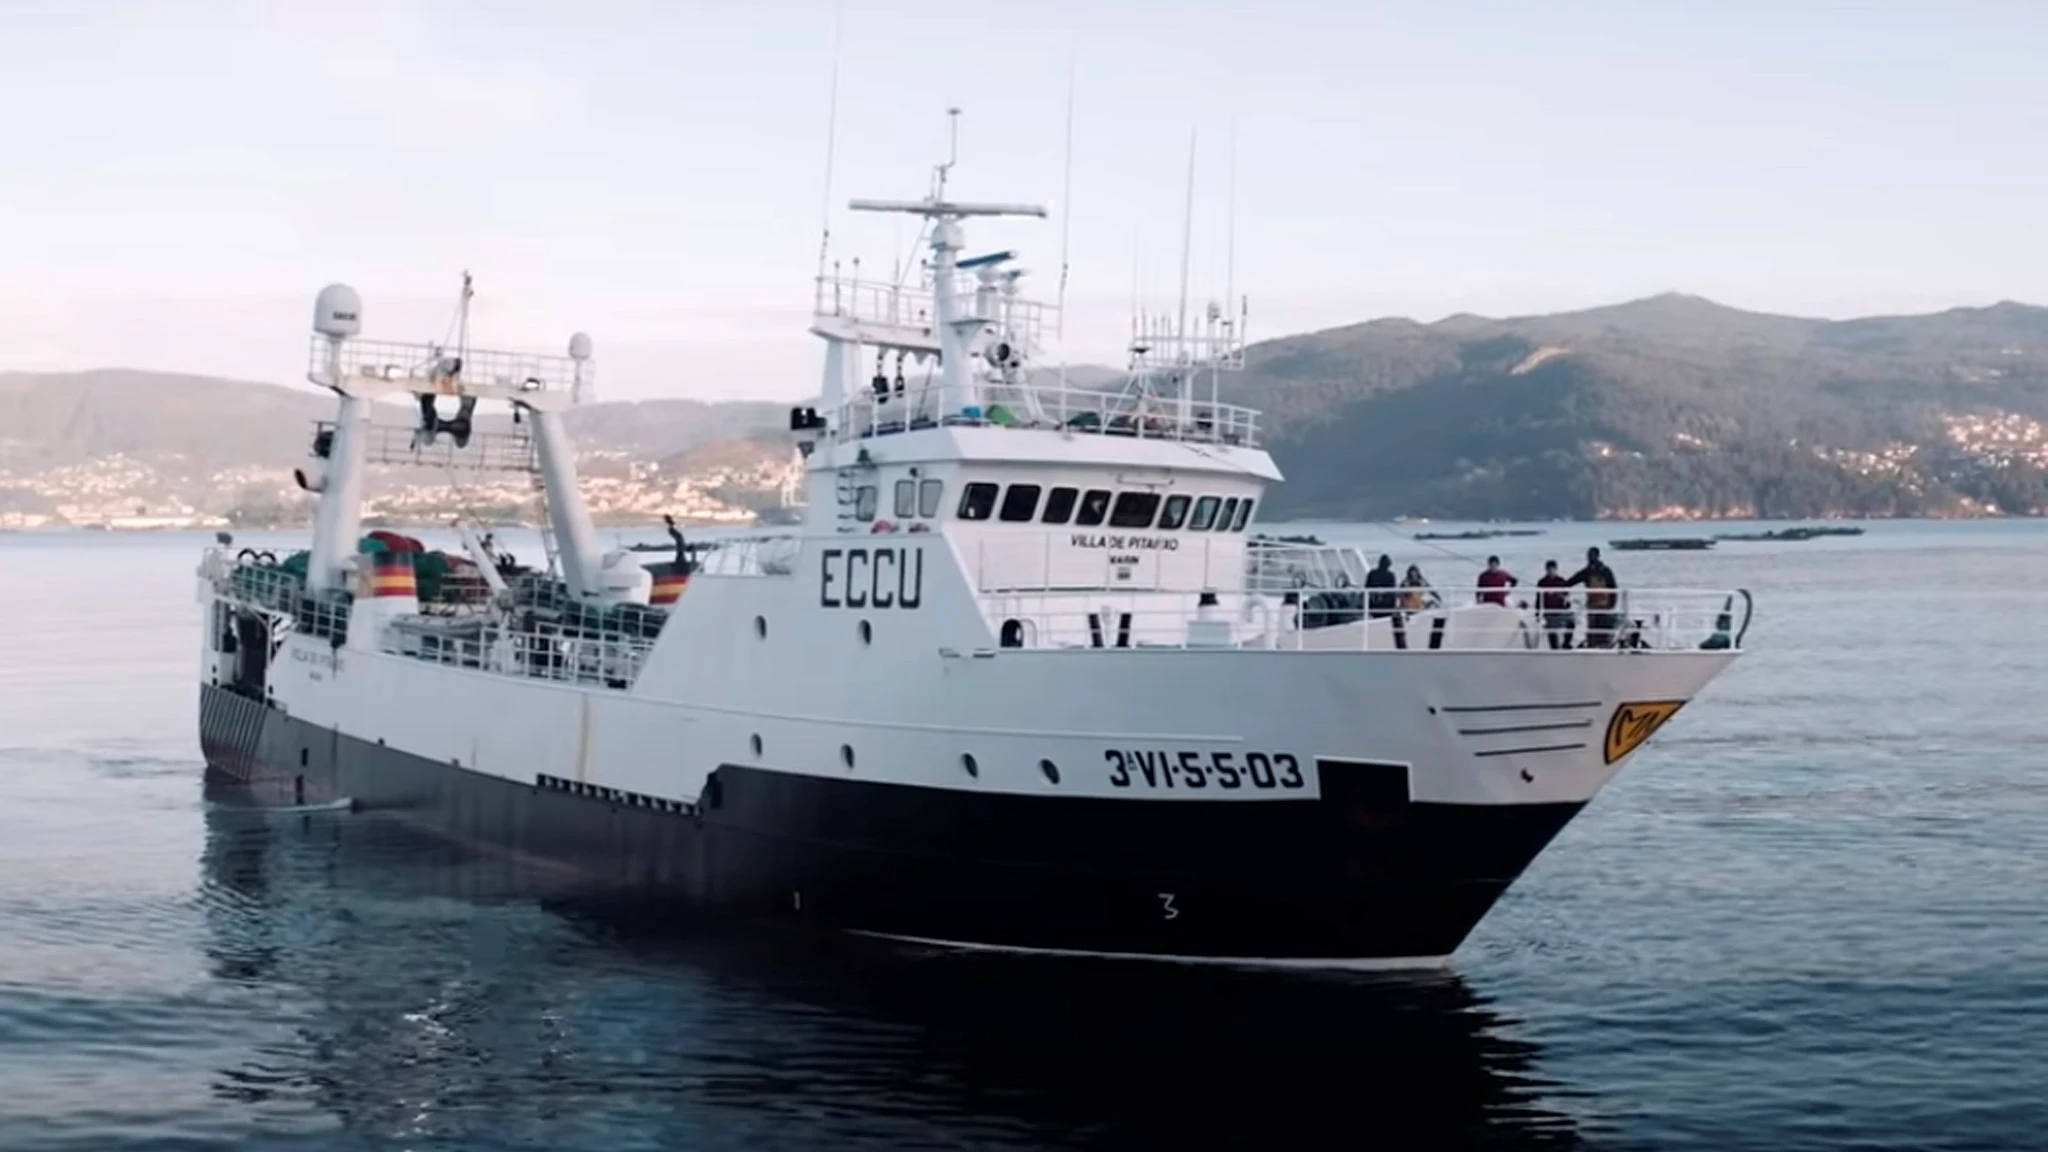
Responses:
[1356,875]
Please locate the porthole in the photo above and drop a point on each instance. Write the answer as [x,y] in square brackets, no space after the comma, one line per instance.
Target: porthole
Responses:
[1051,770]
[967,762]
[846,755]
[754,742]
[761,627]
[867,632]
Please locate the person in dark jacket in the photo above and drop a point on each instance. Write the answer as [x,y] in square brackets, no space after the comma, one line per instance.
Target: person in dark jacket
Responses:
[1382,600]
[1601,618]
[1556,606]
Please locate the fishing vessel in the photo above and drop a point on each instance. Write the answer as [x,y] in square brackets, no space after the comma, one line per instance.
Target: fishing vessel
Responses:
[1021,679]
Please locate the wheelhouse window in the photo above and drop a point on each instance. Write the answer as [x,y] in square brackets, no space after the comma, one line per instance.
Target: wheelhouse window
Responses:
[906,499]
[977,501]
[864,503]
[1020,502]
[1244,515]
[1228,514]
[1175,513]
[1094,506]
[929,493]
[1134,510]
[1205,514]
[1059,505]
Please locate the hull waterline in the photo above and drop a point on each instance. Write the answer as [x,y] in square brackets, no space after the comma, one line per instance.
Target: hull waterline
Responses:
[1358,877]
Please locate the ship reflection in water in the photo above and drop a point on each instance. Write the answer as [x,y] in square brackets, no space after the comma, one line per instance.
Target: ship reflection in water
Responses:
[421,994]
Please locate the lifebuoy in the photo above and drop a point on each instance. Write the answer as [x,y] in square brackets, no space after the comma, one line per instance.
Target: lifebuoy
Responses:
[883,526]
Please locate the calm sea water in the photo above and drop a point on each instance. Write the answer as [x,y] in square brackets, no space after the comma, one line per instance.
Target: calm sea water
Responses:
[1813,913]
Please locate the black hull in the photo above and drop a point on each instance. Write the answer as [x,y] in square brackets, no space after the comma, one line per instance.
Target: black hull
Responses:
[1361,875]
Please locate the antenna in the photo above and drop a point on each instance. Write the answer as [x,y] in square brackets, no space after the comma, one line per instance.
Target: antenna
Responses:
[1187,235]
[952,152]
[1066,207]
[1230,233]
[1137,279]
[831,138]
[1231,333]
[462,316]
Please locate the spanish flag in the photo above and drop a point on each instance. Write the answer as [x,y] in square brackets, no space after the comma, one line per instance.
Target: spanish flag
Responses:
[391,574]
[668,582]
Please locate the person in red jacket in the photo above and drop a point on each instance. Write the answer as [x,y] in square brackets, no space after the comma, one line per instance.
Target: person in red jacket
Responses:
[1556,605]
[1495,582]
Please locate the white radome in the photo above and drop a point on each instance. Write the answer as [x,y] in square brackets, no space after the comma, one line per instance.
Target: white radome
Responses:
[338,312]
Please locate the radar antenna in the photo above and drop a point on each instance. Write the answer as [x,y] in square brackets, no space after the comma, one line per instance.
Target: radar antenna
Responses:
[1066,215]
[952,154]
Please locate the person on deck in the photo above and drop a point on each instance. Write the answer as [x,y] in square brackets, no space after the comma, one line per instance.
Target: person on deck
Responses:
[1556,606]
[1384,603]
[1416,593]
[1598,580]
[682,549]
[1495,582]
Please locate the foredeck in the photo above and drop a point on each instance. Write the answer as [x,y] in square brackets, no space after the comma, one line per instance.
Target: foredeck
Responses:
[1299,597]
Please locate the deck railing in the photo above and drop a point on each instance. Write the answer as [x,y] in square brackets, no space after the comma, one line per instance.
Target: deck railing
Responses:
[1050,406]
[1640,620]
[593,648]
[450,371]
[911,310]
[577,656]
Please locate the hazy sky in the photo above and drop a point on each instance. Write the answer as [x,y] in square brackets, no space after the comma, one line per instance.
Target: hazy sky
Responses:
[177,178]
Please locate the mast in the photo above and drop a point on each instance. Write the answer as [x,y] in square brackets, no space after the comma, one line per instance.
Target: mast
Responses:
[954,325]
[358,371]
[1180,332]
[337,317]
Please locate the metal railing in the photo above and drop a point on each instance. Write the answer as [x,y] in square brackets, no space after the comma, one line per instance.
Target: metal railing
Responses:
[612,659]
[253,579]
[1138,415]
[590,647]
[1280,566]
[484,451]
[434,368]
[1642,620]
[912,310]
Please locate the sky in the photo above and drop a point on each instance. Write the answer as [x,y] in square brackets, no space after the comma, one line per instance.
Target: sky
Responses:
[178,178]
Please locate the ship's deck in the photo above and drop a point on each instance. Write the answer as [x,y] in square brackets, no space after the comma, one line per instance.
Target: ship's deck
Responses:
[1283,597]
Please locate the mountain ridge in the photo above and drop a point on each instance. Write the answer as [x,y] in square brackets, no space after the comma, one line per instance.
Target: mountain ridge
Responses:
[1668,405]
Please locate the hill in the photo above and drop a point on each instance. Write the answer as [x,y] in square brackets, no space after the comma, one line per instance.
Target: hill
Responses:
[1670,406]
[95,447]
[1667,406]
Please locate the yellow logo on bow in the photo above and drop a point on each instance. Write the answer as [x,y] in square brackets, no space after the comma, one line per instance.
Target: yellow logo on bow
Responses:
[1633,724]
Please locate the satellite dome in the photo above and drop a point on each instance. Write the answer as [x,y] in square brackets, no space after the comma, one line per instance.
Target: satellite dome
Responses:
[338,312]
[579,346]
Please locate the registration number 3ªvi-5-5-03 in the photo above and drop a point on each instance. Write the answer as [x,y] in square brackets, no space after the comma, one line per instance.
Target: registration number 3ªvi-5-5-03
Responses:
[1131,769]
